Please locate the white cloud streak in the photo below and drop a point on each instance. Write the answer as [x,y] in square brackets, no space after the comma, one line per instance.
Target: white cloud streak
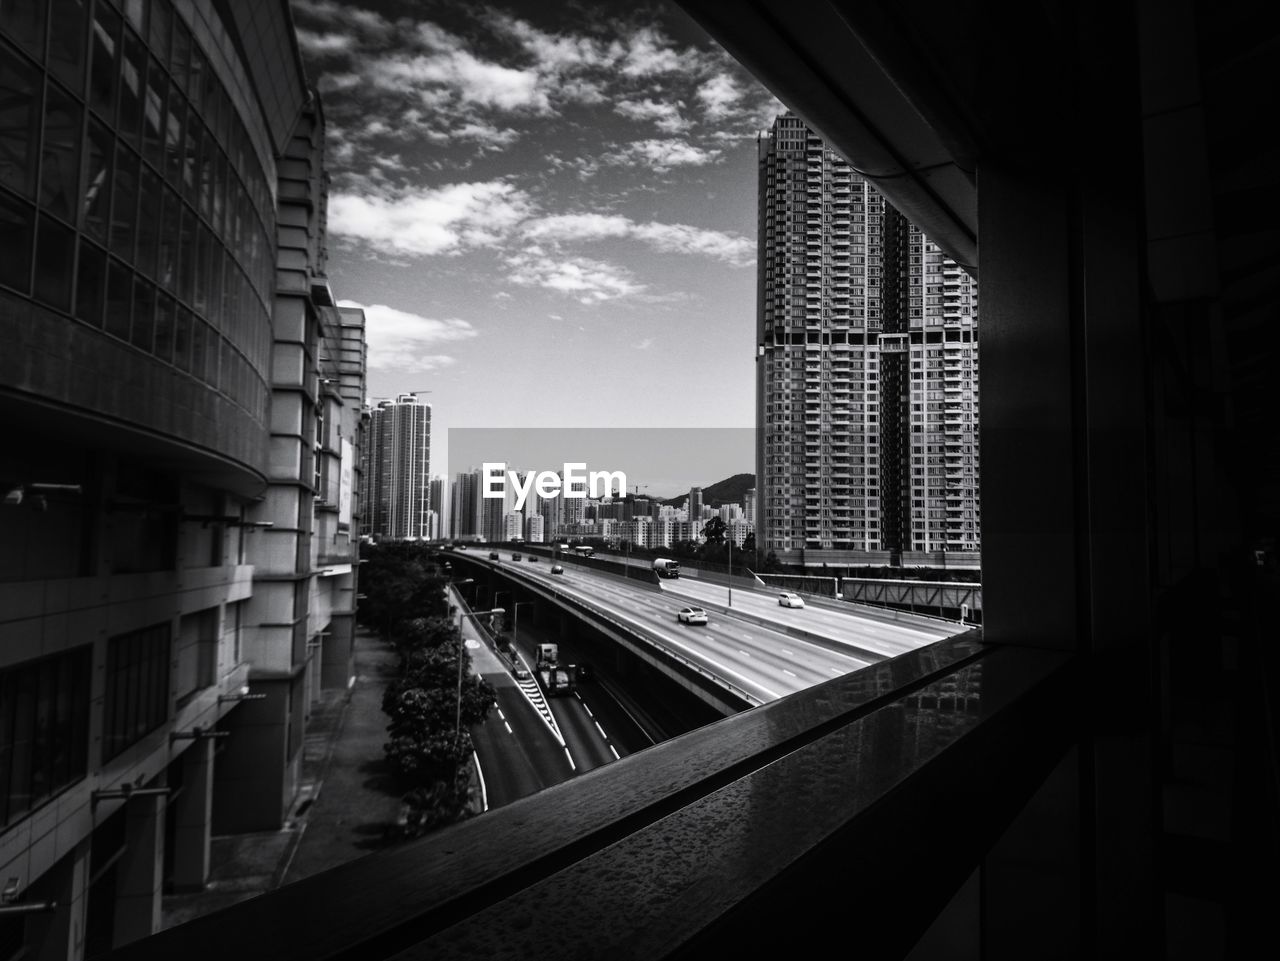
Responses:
[400,340]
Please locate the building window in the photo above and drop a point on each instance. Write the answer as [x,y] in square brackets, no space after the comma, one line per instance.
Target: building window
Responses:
[136,701]
[44,729]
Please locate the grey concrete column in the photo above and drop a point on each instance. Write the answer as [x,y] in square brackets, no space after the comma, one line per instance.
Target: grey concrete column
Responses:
[192,813]
[140,870]
[59,935]
[337,661]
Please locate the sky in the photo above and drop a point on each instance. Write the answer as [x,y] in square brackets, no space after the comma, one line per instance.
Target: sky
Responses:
[547,210]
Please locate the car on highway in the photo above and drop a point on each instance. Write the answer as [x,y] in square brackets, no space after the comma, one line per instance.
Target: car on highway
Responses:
[533,557]
[522,673]
[692,615]
[515,557]
[583,671]
[493,555]
[557,569]
[790,599]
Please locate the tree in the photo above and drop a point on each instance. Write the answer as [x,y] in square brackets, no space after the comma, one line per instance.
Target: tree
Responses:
[714,531]
[749,544]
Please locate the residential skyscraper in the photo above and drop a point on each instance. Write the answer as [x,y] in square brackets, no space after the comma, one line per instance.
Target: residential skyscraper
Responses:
[866,372]
[464,505]
[397,472]
[694,506]
[438,508]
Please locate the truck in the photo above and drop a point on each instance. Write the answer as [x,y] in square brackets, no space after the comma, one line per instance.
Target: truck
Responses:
[555,678]
[666,567]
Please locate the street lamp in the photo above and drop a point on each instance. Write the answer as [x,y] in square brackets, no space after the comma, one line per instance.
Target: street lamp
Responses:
[731,567]
[457,718]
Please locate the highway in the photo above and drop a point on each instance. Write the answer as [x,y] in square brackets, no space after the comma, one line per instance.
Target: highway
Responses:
[763,660]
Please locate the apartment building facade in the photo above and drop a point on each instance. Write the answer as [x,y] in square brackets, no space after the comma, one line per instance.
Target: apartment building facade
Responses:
[866,372]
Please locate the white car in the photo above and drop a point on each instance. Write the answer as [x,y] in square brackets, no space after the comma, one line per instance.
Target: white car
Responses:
[790,599]
[692,615]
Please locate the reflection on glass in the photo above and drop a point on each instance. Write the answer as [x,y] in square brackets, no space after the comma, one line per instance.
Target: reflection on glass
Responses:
[132,73]
[124,214]
[24,22]
[96,202]
[167,270]
[66,42]
[182,339]
[187,255]
[157,92]
[174,135]
[19,121]
[60,164]
[149,222]
[104,64]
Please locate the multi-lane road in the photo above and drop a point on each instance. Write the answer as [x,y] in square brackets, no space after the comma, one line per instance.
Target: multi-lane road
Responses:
[759,652]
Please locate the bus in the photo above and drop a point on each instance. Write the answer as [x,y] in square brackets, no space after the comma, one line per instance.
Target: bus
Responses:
[584,551]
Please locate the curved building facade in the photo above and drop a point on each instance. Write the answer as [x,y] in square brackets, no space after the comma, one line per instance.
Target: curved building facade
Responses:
[183,400]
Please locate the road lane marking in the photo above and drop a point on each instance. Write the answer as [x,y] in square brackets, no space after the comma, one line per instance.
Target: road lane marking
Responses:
[501,715]
[615,752]
[587,709]
[570,757]
[788,653]
[834,670]
[508,727]
[743,653]
[601,730]
[785,671]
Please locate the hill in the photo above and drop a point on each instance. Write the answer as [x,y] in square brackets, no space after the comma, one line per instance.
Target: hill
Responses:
[728,491]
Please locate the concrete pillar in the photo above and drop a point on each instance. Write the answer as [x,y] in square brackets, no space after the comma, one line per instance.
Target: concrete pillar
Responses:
[254,785]
[337,661]
[59,935]
[140,870]
[192,813]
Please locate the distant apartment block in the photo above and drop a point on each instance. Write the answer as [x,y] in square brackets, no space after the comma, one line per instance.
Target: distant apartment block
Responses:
[398,469]
[866,372]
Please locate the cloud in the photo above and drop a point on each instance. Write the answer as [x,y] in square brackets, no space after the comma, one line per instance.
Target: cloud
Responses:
[644,344]
[668,238]
[719,94]
[430,220]
[399,340]
[666,115]
[649,53]
[334,14]
[320,44]
[589,281]
[661,155]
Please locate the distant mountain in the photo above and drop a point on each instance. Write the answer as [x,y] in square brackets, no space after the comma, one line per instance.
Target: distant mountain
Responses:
[728,491]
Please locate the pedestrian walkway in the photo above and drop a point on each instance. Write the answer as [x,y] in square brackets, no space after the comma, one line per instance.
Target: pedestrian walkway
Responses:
[347,800]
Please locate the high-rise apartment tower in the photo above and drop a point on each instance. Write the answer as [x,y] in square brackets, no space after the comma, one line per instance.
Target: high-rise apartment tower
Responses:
[397,469]
[866,372]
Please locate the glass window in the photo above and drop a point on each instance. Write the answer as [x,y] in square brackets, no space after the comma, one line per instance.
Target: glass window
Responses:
[96,193]
[166,316]
[200,286]
[23,21]
[119,299]
[19,121]
[44,729]
[159,31]
[124,213]
[17,226]
[174,136]
[208,148]
[157,93]
[91,283]
[150,197]
[136,698]
[195,79]
[133,69]
[189,253]
[55,259]
[142,334]
[190,156]
[212,344]
[180,53]
[67,32]
[199,346]
[219,192]
[136,11]
[170,234]
[182,339]
[104,64]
